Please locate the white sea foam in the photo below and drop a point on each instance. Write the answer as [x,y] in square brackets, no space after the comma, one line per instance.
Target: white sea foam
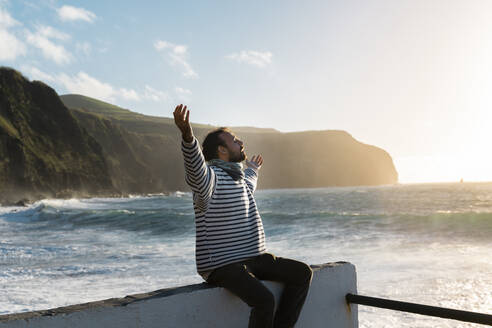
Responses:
[181,194]
[20,213]
[10,209]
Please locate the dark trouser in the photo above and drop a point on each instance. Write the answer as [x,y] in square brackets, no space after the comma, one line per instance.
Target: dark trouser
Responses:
[242,279]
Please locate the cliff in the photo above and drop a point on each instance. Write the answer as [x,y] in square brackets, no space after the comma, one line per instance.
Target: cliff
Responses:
[292,160]
[95,148]
[319,159]
[43,150]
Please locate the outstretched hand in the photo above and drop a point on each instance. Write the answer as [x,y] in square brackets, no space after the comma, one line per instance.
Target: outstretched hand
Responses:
[256,161]
[182,121]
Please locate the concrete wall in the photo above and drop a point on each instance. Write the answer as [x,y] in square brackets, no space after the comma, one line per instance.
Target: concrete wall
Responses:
[201,305]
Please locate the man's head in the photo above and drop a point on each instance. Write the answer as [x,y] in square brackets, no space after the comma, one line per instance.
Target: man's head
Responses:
[223,144]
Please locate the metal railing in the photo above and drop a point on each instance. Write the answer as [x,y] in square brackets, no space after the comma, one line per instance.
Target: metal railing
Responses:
[433,311]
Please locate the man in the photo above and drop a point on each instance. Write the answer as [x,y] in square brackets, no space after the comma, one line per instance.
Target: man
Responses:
[230,242]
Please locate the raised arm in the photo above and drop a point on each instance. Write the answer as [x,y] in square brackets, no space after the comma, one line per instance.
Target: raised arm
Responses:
[251,173]
[198,175]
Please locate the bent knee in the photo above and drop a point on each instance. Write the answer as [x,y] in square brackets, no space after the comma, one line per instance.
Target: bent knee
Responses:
[307,274]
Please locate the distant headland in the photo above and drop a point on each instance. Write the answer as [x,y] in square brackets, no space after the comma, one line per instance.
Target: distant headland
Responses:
[76,146]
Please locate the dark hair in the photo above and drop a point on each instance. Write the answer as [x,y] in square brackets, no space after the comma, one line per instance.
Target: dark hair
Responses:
[212,142]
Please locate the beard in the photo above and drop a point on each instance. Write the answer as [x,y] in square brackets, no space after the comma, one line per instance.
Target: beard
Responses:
[237,157]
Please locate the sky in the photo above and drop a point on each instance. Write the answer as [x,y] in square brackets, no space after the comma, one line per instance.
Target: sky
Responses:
[413,77]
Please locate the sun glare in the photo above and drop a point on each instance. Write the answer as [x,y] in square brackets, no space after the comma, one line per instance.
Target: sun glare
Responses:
[445,168]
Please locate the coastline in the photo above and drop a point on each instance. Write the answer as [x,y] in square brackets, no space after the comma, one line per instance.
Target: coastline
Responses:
[26,199]
[29,199]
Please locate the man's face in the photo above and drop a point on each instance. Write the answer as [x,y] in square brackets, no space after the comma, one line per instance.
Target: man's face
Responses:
[234,147]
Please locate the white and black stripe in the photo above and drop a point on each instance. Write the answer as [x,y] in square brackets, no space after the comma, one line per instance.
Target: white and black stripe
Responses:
[228,224]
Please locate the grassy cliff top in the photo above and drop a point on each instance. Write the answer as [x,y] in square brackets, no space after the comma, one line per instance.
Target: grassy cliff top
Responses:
[114,112]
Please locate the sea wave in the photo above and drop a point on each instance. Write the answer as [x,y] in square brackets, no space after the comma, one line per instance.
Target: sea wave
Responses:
[173,213]
[148,215]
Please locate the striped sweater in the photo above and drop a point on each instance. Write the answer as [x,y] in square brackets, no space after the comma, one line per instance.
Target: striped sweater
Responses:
[228,224]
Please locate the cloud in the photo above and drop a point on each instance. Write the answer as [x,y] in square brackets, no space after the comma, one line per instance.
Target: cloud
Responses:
[251,57]
[129,94]
[183,94]
[177,55]
[89,86]
[36,74]
[51,33]
[6,20]
[155,95]
[182,91]
[86,85]
[160,45]
[50,50]
[10,46]
[69,13]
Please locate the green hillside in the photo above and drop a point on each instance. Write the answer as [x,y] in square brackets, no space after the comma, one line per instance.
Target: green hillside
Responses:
[132,121]
[43,150]
[97,106]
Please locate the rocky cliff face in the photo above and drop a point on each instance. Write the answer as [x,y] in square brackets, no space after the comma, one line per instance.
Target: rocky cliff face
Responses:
[43,150]
[314,159]
[292,160]
[95,148]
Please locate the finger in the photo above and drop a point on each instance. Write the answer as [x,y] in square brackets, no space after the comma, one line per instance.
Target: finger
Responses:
[183,113]
[187,118]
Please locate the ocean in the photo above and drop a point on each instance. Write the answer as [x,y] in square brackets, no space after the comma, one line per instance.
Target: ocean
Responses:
[423,243]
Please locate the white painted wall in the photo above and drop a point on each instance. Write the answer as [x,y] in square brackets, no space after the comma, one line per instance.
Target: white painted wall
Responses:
[202,306]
